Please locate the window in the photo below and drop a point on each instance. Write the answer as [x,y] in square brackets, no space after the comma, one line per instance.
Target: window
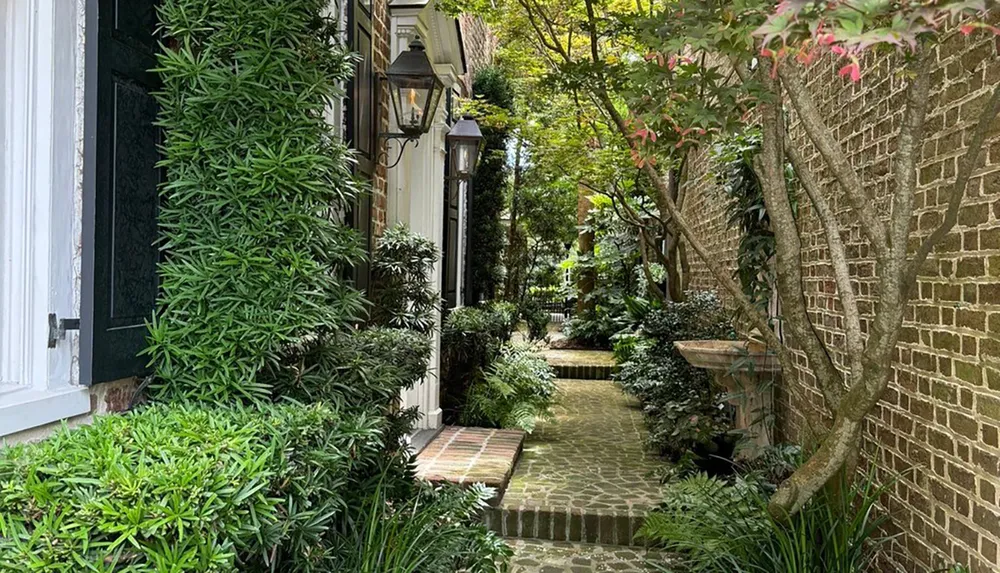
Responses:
[38,212]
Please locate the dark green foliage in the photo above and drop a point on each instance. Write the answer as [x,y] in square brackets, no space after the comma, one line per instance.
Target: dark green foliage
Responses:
[365,369]
[617,266]
[515,391]
[435,531]
[471,339]
[722,528]
[536,318]
[683,408]
[747,212]
[185,488]
[401,293]
[254,249]
[489,186]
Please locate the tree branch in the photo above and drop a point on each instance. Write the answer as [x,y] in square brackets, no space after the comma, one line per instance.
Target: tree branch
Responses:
[838,259]
[966,164]
[907,155]
[833,154]
[788,267]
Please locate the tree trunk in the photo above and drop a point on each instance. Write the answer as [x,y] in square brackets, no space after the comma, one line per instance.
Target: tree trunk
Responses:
[587,278]
[645,246]
[514,258]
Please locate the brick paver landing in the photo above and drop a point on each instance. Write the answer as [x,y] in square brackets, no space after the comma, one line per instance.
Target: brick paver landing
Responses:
[470,455]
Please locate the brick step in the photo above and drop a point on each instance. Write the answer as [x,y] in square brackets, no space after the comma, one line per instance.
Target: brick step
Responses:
[584,371]
[603,527]
[465,456]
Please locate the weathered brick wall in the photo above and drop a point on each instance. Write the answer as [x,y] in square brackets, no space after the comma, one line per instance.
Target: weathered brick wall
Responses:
[704,207]
[938,423]
[480,44]
[381,61]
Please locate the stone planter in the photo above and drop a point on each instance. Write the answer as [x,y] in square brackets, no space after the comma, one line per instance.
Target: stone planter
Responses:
[747,371]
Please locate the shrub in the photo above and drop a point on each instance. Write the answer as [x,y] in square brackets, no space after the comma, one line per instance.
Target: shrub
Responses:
[364,369]
[682,407]
[185,488]
[470,340]
[254,250]
[518,388]
[401,293]
[536,318]
[596,328]
[722,528]
[436,531]
[486,233]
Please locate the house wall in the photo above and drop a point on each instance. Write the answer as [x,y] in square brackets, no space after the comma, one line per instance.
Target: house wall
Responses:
[480,45]
[938,424]
[381,40]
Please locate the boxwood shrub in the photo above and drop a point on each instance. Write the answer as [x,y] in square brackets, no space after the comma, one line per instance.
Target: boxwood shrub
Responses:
[185,488]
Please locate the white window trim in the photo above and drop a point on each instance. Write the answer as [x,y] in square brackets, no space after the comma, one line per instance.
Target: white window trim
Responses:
[38,216]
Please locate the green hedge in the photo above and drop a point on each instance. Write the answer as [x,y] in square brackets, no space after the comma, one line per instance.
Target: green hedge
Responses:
[185,488]
[255,252]
[486,232]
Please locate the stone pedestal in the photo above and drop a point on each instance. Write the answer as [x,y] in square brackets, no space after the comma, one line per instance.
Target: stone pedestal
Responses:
[747,371]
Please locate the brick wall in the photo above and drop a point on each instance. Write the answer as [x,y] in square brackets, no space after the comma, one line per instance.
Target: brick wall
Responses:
[381,61]
[480,44]
[938,423]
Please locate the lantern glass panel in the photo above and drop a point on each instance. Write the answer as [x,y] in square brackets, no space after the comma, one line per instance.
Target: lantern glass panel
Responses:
[464,154]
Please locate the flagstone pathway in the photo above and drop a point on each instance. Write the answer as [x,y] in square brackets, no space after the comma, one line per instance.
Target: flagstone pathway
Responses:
[583,484]
[534,556]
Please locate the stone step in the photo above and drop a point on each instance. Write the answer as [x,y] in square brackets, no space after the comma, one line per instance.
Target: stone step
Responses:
[534,556]
[584,371]
[582,364]
[603,527]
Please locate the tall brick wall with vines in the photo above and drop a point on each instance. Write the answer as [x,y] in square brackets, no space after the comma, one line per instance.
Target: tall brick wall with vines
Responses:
[939,423]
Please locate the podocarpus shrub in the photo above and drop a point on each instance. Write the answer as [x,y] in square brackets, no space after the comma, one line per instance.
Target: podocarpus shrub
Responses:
[486,233]
[248,217]
[362,370]
[185,488]
[682,407]
[401,293]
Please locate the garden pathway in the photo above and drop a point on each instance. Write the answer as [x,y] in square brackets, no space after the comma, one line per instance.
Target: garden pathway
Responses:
[534,556]
[590,457]
[583,484]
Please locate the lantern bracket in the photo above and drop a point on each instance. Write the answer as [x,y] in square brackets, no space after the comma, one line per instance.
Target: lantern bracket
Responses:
[402,147]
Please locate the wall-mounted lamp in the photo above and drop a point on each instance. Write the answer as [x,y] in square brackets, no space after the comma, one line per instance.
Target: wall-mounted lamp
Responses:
[415,91]
[464,141]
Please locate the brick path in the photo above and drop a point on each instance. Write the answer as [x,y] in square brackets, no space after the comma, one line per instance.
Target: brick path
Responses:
[470,455]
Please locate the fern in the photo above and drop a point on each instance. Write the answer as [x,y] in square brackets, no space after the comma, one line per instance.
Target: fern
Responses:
[516,390]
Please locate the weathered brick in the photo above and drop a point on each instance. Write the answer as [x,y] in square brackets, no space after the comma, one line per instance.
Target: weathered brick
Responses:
[940,412]
[964,425]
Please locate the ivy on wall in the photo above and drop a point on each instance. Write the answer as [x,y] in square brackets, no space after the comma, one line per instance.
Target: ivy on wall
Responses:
[254,251]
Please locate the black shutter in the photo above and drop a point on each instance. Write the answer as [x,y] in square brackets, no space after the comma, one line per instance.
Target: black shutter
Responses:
[450,256]
[120,256]
[361,135]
